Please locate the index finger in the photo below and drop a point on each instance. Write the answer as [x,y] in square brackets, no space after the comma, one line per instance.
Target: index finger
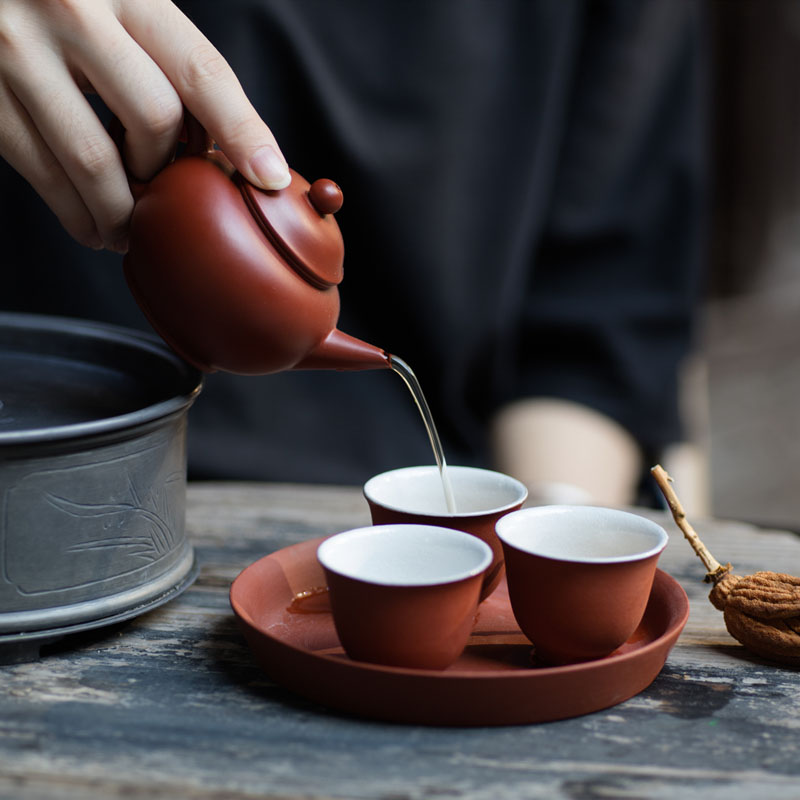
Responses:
[209,88]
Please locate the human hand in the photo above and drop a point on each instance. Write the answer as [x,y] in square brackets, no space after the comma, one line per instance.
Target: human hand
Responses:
[566,452]
[147,62]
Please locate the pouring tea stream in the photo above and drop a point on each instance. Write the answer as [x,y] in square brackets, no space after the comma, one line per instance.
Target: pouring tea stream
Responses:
[244,280]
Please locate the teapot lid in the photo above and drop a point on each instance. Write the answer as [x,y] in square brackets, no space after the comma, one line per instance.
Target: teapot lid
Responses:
[298,221]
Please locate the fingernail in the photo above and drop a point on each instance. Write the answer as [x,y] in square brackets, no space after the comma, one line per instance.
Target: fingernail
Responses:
[93,240]
[270,169]
[120,246]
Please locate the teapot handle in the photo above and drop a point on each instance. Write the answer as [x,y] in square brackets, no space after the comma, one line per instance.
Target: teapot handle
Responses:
[198,142]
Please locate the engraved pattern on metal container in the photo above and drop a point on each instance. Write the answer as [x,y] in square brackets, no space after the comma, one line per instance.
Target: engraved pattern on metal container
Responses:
[112,516]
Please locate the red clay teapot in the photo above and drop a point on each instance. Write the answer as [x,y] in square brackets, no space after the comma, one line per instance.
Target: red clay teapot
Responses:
[238,279]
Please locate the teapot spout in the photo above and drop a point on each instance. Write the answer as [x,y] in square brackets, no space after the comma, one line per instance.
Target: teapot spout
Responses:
[341,351]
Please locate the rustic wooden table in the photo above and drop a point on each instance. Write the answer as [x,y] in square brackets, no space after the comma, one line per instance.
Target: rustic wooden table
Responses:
[172,705]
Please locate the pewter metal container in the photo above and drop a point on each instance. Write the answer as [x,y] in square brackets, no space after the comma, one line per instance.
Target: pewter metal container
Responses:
[92,478]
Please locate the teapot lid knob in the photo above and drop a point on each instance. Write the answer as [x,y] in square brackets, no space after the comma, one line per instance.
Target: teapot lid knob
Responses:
[325,196]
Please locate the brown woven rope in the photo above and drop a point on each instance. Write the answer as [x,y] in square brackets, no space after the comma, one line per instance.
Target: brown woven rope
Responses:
[762,611]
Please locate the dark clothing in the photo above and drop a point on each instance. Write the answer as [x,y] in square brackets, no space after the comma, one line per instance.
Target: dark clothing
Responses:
[523,216]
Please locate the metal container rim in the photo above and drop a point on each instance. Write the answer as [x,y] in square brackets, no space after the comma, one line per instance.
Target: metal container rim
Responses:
[189,379]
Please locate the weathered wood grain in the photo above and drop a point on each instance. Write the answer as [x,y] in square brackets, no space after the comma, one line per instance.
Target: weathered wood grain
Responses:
[171,704]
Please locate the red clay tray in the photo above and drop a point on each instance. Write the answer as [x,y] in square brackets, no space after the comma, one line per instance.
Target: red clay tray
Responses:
[493,683]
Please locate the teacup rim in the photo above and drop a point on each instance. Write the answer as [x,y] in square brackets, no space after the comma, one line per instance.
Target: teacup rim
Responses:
[375,530]
[427,468]
[509,520]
